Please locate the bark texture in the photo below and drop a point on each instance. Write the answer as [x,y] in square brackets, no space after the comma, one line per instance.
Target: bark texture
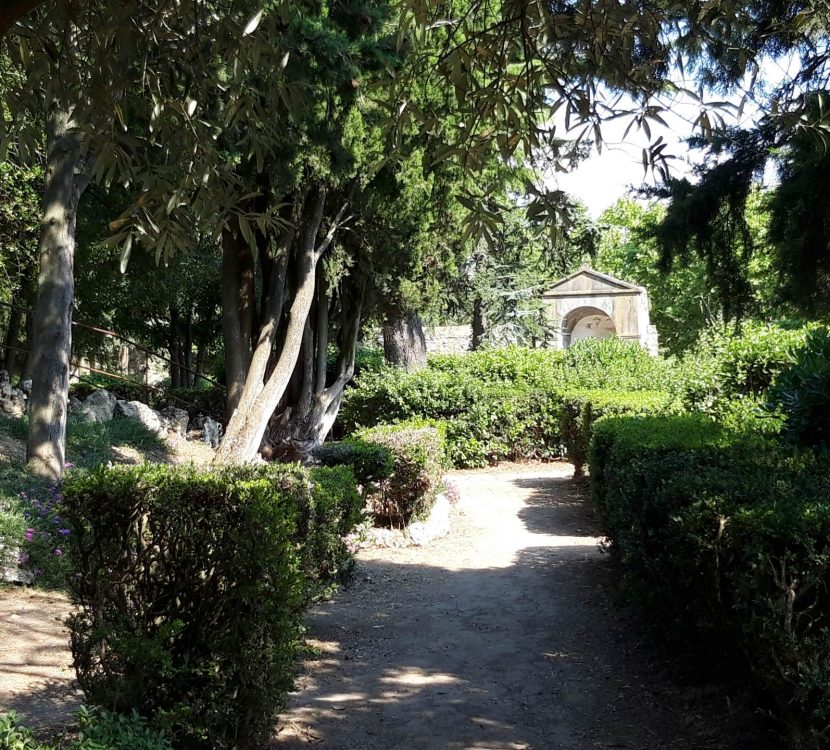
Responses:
[404,344]
[52,340]
[479,324]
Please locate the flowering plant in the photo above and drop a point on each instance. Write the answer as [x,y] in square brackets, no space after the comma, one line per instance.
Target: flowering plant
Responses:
[46,537]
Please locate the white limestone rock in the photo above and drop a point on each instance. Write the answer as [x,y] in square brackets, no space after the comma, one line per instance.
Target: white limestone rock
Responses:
[99,406]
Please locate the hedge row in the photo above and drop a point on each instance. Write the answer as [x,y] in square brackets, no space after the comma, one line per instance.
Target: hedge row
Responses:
[190,586]
[502,404]
[724,535]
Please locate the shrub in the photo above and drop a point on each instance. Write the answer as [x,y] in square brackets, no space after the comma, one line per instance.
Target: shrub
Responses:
[802,392]
[333,510]
[725,537]
[97,730]
[190,587]
[370,462]
[580,409]
[418,460]
[727,365]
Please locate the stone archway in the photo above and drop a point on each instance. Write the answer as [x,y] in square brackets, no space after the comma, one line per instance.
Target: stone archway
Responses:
[586,322]
[590,304]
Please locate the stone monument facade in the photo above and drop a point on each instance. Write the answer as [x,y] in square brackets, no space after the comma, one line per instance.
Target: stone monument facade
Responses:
[589,303]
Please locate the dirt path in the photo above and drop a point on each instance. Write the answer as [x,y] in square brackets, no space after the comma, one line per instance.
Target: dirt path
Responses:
[36,675]
[501,636]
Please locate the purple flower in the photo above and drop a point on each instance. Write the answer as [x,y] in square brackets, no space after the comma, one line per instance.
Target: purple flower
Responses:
[29,534]
[23,558]
[69,466]
[65,532]
[58,552]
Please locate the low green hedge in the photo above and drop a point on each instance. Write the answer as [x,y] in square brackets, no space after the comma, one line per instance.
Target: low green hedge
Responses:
[724,536]
[580,409]
[417,451]
[501,404]
[190,585]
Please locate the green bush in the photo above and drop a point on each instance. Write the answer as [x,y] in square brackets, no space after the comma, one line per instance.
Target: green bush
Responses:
[503,403]
[97,730]
[190,585]
[418,461]
[371,463]
[580,409]
[728,365]
[802,392]
[333,510]
[725,538]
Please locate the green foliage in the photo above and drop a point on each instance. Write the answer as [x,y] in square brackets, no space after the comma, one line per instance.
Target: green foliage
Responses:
[370,462]
[97,730]
[729,365]
[333,510]
[190,588]
[502,403]
[580,409]
[724,540]
[417,452]
[801,392]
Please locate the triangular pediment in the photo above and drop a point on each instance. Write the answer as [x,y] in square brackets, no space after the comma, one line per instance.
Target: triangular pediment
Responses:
[591,282]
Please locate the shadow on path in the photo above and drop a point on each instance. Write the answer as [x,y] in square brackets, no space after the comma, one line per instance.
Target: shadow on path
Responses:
[501,636]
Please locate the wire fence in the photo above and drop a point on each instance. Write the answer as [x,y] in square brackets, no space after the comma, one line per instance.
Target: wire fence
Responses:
[149,354]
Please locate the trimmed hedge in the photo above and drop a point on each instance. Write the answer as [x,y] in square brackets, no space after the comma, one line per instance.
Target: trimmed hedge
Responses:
[502,404]
[580,409]
[725,536]
[417,451]
[190,586]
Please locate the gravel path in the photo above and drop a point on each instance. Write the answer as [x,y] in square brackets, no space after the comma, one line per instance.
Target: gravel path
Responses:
[502,636]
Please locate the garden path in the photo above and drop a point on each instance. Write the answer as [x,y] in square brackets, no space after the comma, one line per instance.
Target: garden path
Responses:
[501,636]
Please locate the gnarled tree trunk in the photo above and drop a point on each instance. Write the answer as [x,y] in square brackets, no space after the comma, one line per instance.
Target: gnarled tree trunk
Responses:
[52,341]
[278,346]
[307,413]
[404,343]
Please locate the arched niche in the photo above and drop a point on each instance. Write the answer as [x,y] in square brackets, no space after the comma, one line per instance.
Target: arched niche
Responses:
[587,322]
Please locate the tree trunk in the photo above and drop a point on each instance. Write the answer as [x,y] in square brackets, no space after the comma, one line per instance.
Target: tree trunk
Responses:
[173,348]
[404,343]
[52,345]
[265,385]
[305,425]
[479,324]
[187,359]
[238,309]
[201,358]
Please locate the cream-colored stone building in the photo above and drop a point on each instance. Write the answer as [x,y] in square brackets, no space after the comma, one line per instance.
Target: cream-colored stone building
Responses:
[592,304]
